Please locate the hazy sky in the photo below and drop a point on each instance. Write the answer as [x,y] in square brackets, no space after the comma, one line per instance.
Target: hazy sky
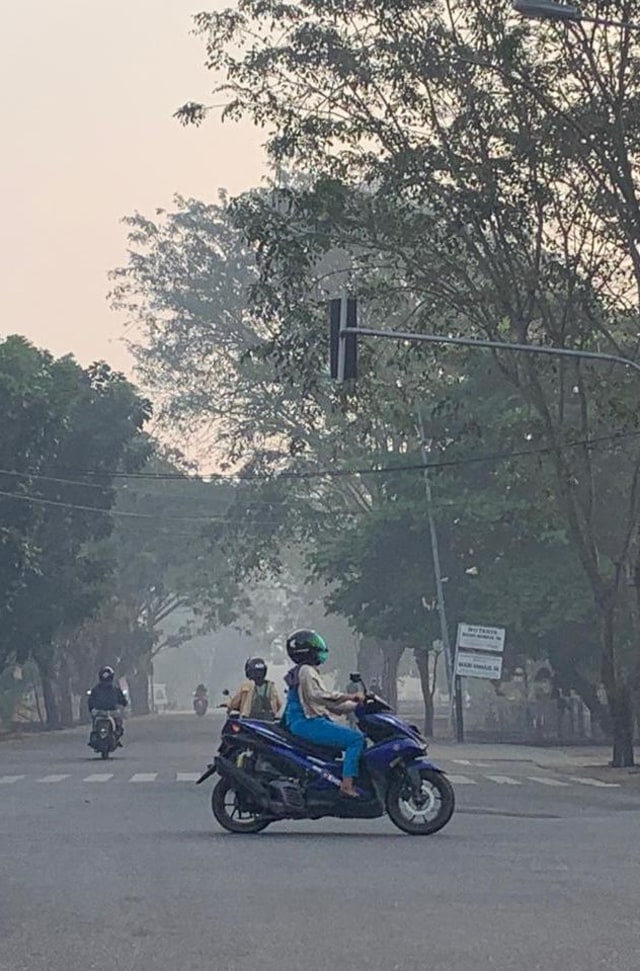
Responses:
[89,88]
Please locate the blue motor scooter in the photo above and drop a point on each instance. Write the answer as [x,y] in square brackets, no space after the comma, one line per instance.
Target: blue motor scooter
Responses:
[268,774]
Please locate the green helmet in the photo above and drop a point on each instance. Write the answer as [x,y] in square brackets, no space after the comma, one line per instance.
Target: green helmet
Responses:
[307,647]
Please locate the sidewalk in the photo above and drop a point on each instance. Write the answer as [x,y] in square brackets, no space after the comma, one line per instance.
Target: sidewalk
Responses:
[547,757]
[592,761]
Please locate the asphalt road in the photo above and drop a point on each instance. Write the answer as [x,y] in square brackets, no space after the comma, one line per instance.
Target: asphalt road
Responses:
[131,871]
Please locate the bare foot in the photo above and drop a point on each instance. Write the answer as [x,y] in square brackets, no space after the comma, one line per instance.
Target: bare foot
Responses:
[348,789]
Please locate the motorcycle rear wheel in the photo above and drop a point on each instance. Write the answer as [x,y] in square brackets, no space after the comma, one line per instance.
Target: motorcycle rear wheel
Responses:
[425,813]
[225,807]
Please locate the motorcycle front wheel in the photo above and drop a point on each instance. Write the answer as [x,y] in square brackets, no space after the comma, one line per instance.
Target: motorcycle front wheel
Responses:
[104,753]
[231,814]
[421,810]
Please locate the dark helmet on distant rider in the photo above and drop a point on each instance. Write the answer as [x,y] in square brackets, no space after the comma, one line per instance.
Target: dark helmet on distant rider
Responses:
[255,669]
[307,647]
[106,673]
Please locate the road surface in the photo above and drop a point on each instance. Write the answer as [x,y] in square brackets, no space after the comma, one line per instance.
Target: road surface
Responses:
[120,864]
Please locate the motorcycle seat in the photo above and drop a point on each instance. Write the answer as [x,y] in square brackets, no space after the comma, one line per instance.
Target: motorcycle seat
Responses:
[303,745]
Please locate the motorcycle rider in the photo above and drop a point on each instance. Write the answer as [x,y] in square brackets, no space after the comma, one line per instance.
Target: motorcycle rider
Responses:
[107,696]
[310,705]
[201,692]
[256,697]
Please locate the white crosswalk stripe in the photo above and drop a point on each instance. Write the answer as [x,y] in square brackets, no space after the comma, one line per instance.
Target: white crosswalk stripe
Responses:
[478,765]
[191,777]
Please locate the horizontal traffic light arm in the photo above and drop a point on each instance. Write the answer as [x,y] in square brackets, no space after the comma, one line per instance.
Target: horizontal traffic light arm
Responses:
[398,335]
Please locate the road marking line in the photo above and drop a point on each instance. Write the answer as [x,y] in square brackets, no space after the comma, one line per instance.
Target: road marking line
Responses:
[503,780]
[99,777]
[478,765]
[595,782]
[144,777]
[53,778]
[461,780]
[546,780]
[188,776]
[6,780]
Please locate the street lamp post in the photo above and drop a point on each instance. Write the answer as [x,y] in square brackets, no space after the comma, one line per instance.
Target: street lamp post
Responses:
[566,13]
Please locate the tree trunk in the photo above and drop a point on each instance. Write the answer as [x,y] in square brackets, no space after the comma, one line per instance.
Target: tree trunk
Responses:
[66,706]
[49,698]
[618,696]
[422,663]
[138,682]
[622,716]
[66,703]
[391,654]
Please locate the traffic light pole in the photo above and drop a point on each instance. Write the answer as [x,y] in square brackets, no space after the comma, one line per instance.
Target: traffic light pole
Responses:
[453,681]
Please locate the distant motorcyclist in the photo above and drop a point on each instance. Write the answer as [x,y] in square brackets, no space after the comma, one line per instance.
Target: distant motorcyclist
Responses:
[256,697]
[311,706]
[107,696]
[200,700]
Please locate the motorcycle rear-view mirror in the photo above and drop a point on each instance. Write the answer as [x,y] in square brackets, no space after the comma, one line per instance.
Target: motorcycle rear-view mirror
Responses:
[226,692]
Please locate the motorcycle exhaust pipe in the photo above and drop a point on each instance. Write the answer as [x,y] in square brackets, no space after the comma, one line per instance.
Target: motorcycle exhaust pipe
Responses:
[244,780]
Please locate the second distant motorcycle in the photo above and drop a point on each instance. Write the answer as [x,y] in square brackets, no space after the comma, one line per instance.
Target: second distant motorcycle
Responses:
[200,700]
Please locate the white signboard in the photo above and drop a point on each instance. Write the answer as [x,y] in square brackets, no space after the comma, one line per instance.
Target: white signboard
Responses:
[471,665]
[474,638]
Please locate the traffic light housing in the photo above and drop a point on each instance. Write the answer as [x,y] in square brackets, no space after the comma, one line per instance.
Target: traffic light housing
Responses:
[343,348]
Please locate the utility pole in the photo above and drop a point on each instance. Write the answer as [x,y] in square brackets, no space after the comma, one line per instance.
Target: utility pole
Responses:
[453,683]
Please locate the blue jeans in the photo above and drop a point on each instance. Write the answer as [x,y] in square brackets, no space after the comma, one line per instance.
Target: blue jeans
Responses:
[323,731]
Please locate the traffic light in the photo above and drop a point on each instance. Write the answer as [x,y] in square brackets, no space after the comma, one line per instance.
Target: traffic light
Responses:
[343,348]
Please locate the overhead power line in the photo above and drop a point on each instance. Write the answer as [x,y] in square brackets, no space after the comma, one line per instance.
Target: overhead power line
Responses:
[122,513]
[327,473]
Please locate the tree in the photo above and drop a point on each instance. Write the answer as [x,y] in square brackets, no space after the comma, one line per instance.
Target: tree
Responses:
[217,367]
[491,165]
[74,429]
[267,514]
[270,513]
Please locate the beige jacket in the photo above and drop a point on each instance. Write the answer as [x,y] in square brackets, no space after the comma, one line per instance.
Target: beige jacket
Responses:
[316,699]
[243,699]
